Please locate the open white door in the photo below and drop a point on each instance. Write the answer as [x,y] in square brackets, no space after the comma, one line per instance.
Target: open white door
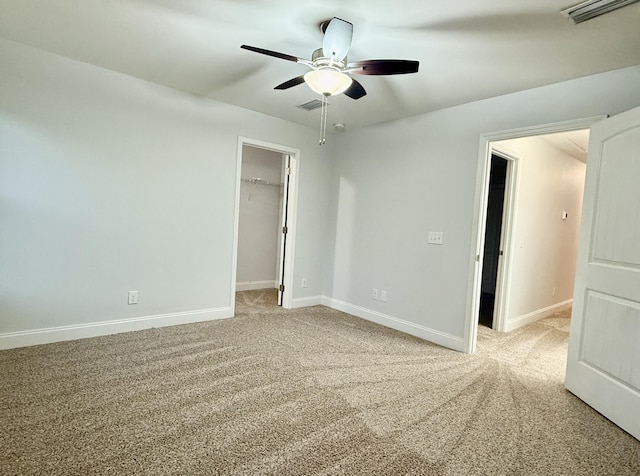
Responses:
[286,175]
[603,367]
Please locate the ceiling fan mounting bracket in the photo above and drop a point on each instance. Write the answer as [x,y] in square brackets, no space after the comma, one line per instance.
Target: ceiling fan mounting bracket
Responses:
[323,25]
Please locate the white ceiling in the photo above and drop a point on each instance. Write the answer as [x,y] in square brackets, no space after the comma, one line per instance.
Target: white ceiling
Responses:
[468,49]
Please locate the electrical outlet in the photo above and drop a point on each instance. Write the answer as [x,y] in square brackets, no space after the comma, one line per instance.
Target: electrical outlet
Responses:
[304,283]
[435,238]
[374,294]
[383,296]
[133,297]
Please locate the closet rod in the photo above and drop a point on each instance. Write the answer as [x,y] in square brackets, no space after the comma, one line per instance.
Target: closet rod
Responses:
[258,181]
[262,182]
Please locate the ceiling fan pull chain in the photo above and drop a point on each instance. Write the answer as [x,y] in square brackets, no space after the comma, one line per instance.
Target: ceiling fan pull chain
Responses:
[323,120]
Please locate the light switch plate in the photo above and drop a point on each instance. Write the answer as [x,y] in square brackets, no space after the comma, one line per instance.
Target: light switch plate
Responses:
[132,297]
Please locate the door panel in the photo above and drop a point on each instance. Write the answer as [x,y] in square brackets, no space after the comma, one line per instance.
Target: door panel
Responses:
[608,346]
[617,226]
[603,366]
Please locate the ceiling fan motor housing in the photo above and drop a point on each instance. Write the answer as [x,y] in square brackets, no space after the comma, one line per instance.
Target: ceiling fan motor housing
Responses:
[320,61]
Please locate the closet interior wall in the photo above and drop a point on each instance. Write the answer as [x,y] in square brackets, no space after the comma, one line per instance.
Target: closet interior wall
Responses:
[259,233]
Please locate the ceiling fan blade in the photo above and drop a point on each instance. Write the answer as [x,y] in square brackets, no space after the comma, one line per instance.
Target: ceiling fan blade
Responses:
[275,54]
[291,83]
[337,39]
[383,67]
[355,91]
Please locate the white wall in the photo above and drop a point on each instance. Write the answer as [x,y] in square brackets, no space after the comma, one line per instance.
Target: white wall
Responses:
[396,182]
[110,184]
[260,215]
[545,249]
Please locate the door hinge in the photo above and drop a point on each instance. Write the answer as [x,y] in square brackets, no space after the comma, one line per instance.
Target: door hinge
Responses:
[287,170]
[281,288]
[501,252]
[478,258]
[285,229]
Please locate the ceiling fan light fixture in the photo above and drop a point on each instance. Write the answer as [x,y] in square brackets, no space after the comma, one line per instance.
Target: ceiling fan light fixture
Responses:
[328,82]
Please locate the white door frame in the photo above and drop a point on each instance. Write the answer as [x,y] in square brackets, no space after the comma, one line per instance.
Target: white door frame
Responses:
[479,216]
[287,297]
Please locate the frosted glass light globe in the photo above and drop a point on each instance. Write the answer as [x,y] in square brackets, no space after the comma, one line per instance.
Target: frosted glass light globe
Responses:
[328,82]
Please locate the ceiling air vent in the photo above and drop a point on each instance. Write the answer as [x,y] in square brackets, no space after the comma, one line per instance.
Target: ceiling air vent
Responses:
[311,105]
[593,8]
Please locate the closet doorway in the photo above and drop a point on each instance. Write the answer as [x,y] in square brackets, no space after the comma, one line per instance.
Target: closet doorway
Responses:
[265,220]
[500,171]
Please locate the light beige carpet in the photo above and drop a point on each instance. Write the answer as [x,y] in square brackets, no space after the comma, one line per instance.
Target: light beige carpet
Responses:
[310,391]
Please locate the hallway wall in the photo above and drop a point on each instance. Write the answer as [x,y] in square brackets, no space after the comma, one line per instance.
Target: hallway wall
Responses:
[545,247]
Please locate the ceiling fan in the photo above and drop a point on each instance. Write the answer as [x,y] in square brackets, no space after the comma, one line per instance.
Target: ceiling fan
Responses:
[331,72]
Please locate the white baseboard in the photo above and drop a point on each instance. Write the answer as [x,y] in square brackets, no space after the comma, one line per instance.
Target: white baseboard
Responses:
[306,302]
[251,285]
[431,335]
[56,334]
[525,319]
[11,340]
